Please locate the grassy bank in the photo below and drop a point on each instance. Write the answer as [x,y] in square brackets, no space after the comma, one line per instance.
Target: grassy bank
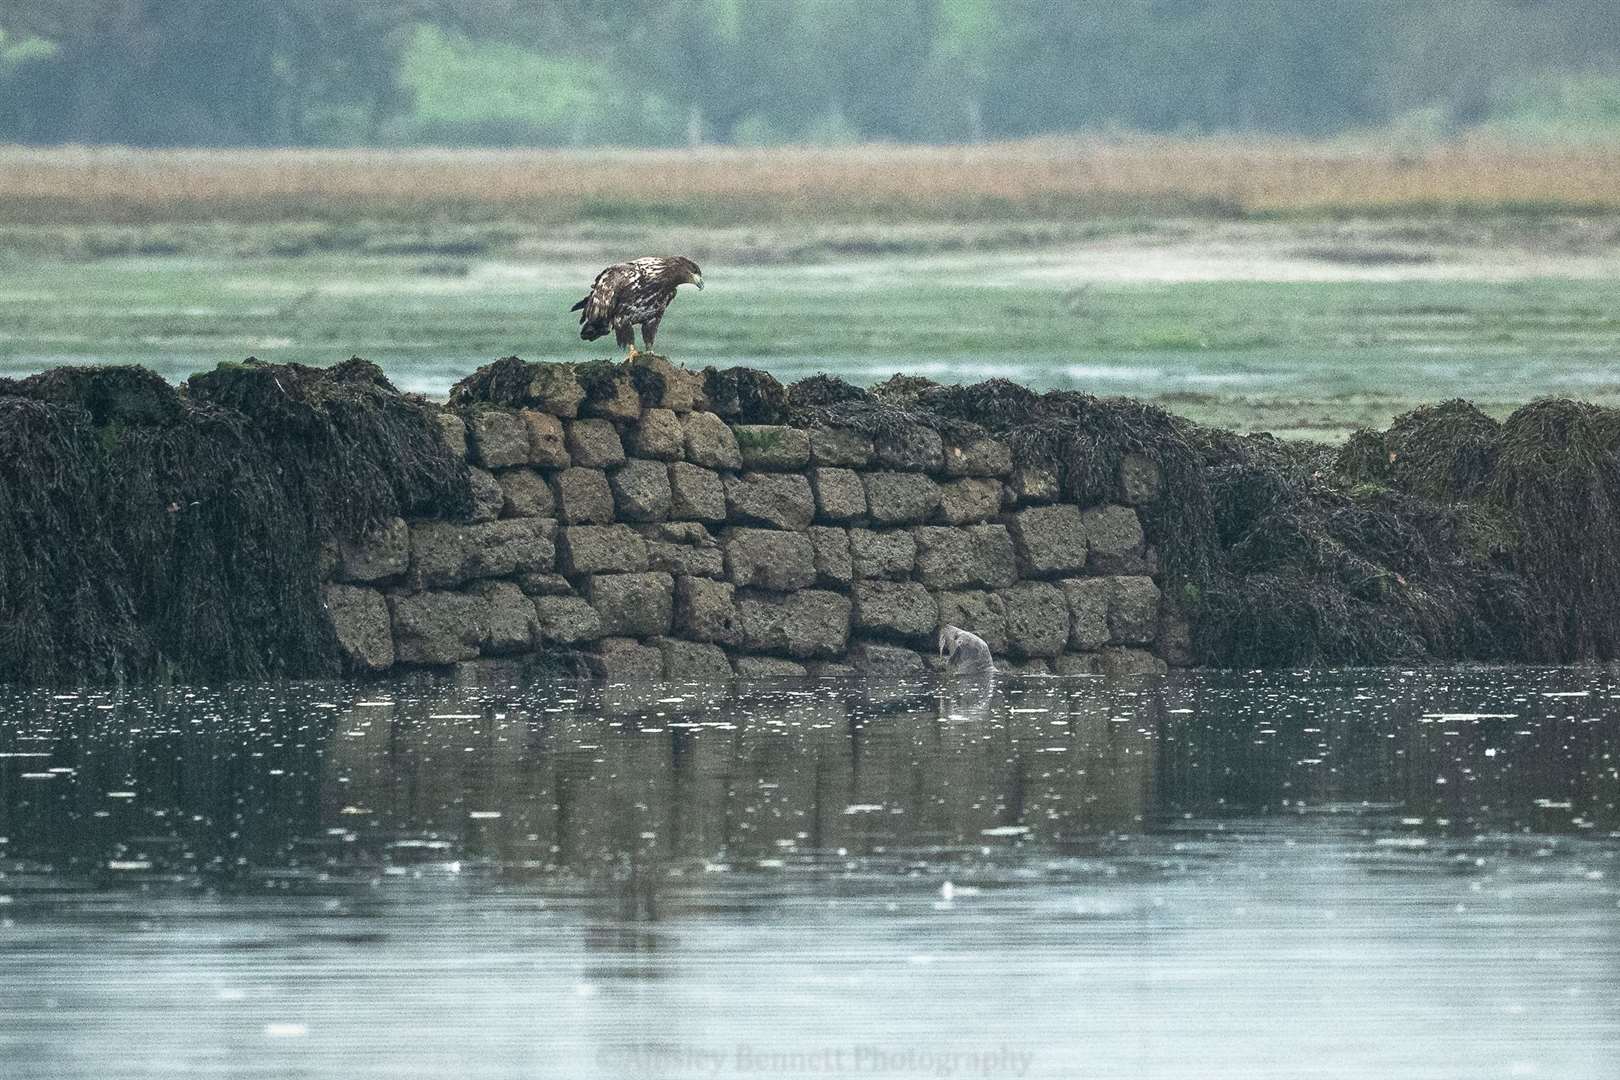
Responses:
[1059,179]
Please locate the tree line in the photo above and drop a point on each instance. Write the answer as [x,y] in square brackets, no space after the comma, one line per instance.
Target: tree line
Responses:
[672,72]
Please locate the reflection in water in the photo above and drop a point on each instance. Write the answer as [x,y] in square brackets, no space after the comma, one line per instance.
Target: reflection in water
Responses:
[1354,873]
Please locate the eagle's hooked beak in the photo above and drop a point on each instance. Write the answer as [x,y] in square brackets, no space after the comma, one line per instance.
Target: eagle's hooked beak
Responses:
[698,281]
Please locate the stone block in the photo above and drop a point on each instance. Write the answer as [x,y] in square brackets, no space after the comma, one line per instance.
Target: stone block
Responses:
[384,552]
[437,627]
[594,444]
[510,623]
[808,623]
[612,395]
[555,389]
[691,661]
[566,620]
[364,629]
[967,557]
[683,548]
[453,431]
[525,493]
[885,553]
[983,613]
[840,446]
[768,667]
[827,669]
[679,393]
[1034,484]
[834,567]
[1088,612]
[979,457]
[706,610]
[902,609]
[641,490]
[503,672]
[770,559]
[1117,543]
[444,555]
[620,659]
[1050,541]
[499,437]
[696,493]
[487,497]
[543,584]
[1133,610]
[659,436]
[1037,619]
[583,496]
[710,442]
[910,448]
[1139,480]
[548,442]
[1035,666]
[1078,664]
[969,500]
[772,447]
[900,498]
[876,660]
[633,605]
[1173,642]
[1124,660]
[840,495]
[600,549]
[777,500]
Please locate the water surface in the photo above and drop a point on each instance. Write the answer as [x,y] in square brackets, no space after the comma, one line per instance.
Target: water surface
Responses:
[1380,874]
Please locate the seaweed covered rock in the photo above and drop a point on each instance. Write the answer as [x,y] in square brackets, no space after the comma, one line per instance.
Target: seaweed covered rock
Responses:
[1445,451]
[1557,479]
[1448,536]
[147,533]
[1309,569]
[267,520]
[362,451]
[745,395]
[117,394]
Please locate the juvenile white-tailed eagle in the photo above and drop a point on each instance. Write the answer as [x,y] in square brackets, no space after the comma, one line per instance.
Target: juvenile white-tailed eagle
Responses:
[633,293]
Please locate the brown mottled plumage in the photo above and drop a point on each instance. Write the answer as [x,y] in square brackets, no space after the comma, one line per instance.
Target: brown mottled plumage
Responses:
[633,293]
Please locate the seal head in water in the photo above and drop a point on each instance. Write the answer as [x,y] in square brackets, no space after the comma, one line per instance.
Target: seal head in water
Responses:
[964,651]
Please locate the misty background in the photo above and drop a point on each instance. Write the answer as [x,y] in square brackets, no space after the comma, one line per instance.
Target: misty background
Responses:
[566,73]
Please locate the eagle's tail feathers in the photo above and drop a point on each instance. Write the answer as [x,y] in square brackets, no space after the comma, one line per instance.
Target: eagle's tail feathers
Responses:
[582,303]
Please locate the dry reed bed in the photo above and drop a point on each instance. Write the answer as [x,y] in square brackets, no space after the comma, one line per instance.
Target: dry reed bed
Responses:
[1225,175]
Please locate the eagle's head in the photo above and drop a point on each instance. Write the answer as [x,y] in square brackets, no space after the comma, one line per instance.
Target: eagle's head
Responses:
[689,271]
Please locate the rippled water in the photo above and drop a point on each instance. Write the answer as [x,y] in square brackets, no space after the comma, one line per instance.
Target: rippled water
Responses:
[1379,874]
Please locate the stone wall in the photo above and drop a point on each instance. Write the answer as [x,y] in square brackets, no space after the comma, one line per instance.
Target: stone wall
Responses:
[628,523]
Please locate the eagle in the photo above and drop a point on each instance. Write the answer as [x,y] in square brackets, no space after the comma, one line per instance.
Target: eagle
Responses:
[634,293]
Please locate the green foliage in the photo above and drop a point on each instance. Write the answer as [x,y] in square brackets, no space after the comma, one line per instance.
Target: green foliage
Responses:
[16,51]
[468,92]
[178,73]
[1559,107]
[766,72]
[752,439]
